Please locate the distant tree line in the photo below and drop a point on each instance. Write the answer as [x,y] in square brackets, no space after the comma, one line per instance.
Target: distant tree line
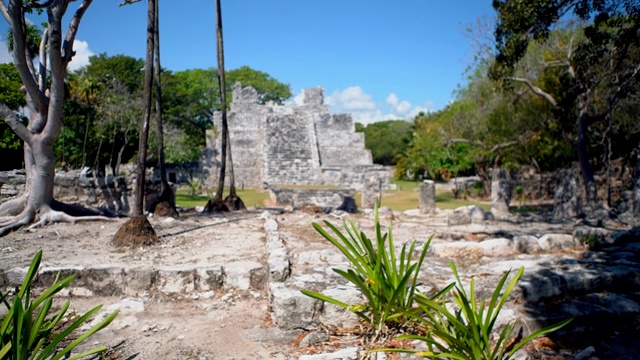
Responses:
[103,104]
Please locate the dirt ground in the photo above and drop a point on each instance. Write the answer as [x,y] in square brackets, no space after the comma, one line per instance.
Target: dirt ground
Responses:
[230,323]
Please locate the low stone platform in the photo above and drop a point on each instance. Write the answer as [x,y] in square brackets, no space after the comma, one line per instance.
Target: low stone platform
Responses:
[249,267]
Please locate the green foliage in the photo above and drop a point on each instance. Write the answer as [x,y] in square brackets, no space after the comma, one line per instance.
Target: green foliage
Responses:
[468,331]
[33,36]
[29,331]
[104,70]
[386,139]
[268,88]
[10,94]
[430,155]
[386,280]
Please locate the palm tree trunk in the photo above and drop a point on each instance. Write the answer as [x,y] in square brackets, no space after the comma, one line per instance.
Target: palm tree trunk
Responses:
[223,102]
[144,123]
[166,192]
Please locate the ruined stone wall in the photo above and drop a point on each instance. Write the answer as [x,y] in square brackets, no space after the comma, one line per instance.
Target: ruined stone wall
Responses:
[291,144]
[339,144]
[74,187]
[323,198]
[289,158]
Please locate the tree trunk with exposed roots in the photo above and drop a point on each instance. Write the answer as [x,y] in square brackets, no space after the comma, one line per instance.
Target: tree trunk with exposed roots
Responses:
[45,105]
[137,231]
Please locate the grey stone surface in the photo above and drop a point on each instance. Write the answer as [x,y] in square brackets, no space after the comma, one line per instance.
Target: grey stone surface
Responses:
[497,247]
[291,309]
[278,262]
[371,192]
[471,214]
[567,203]
[333,315]
[459,216]
[292,144]
[550,242]
[500,192]
[332,198]
[314,337]
[427,198]
[350,353]
[525,244]
[75,187]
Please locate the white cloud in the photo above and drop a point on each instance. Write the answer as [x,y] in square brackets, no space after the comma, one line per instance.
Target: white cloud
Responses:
[5,56]
[403,107]
[351,99]
[398,107]
[82,55]
[355,101]
[392,99]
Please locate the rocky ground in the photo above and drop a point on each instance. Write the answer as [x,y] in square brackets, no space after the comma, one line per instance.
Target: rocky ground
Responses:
[226,287]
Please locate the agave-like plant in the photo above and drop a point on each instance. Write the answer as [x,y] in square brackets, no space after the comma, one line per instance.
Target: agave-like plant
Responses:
[29,332]
[468,331]
[387,282]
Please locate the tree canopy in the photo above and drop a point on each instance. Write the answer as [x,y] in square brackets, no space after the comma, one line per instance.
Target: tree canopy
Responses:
[386,139]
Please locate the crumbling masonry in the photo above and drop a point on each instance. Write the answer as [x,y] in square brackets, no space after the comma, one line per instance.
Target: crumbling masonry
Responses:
[292,145]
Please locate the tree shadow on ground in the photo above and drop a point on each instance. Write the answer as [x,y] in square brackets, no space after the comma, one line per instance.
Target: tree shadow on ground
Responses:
[600,289]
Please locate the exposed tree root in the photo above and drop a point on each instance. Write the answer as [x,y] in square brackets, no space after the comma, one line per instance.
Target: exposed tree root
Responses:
[13,207]
[136,232]
[214,206]
[53,216]
[54,213]
[234,203]
[24,218]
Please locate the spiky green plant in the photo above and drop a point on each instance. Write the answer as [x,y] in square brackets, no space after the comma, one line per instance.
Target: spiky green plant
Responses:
[468,331]
[29,331]
[387,281]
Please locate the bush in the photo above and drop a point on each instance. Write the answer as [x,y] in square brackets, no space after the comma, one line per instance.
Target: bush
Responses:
[28,331]
[387,282]
[462,330]
[468,331]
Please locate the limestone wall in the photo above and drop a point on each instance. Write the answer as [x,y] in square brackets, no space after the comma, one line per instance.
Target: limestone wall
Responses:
[74,187]
[323,198]
[291,144]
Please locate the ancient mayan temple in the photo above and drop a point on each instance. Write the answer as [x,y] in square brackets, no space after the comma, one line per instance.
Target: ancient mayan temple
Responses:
[292,144]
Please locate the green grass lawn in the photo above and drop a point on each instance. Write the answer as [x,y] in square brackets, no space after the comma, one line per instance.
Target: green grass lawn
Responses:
[405,197]
[250,197]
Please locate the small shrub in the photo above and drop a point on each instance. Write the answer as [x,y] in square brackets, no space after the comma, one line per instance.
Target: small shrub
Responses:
[194,187]
[28,331]
[387,282]
[468,331]
[591,240]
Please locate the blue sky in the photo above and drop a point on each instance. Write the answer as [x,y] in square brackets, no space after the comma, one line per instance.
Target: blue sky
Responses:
[375,59]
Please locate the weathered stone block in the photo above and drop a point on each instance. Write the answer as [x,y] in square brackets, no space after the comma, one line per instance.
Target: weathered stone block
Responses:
[551,242]
[333,315]
[500,192]
[427,200]
[291,309]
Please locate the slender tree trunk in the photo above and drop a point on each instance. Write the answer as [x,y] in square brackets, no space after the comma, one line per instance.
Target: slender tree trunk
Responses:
[232,177]
[144,123]
[587,171]
[223,102]
[84,144]
[166,191]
